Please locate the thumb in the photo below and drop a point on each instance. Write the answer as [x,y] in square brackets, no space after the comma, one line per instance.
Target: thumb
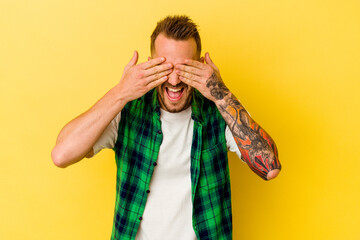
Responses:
[134,59]
[209,61]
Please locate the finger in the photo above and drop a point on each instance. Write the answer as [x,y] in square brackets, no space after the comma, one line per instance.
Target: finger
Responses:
[157,82]
[151,63]
[158,69]
[157,76]
[190,76]
[195,64]
[210,62]
[189,69]
[189,82]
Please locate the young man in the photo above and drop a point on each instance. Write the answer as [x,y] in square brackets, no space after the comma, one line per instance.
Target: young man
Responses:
[171,121]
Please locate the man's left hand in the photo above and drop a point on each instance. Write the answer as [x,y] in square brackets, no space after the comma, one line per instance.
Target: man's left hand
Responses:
[205,77]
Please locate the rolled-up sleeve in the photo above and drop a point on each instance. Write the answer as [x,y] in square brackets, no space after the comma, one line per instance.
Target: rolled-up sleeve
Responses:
[109,136]
[231,144]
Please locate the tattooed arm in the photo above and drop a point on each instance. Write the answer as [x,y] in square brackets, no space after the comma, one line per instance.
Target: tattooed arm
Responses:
[257,148]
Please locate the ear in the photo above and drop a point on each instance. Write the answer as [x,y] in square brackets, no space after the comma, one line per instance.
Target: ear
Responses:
[202,59]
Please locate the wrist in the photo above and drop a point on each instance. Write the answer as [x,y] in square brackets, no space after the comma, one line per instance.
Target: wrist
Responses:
[219,102]
[222,98]
[118,96]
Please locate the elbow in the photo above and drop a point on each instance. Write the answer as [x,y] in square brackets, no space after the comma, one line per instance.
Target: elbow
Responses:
[58,158]
[272,174]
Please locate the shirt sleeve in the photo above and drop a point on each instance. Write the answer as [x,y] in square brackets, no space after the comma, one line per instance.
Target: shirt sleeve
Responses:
[230,142]
[109,136]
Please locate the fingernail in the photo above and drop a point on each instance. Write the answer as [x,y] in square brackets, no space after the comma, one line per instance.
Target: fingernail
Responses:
[162,58]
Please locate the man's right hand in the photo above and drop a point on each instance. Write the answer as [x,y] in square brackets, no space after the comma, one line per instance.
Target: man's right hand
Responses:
[77,138]
[138,79]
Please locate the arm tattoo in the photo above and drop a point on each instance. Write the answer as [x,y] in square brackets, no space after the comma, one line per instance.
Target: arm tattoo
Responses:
[217,88]
[257,148]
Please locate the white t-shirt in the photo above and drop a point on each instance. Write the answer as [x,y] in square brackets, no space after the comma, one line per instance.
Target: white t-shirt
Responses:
[168,209]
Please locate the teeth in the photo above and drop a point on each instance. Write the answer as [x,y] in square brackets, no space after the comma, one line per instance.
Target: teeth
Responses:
[174,90]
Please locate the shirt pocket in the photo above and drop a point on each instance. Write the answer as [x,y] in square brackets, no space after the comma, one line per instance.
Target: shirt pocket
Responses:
[213,167]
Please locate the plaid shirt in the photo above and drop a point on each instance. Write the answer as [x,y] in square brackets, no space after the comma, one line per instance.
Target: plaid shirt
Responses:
[136,153]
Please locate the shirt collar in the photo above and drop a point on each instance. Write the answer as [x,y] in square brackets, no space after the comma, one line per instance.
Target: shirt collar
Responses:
[155,106]
[197,102]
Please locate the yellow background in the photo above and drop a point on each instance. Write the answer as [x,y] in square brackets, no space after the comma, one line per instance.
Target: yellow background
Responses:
[293,64]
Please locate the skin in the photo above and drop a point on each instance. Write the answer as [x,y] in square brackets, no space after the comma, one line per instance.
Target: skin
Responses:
[77,138]
[170,49]
[256,146]
[169,68]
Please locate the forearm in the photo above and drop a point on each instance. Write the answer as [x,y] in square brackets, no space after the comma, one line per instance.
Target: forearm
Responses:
[257,148]
[78,137]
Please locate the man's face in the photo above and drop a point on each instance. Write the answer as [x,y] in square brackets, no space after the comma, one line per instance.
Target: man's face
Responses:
[174,95]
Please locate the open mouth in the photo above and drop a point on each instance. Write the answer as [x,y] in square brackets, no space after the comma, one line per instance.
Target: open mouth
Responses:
[174,94]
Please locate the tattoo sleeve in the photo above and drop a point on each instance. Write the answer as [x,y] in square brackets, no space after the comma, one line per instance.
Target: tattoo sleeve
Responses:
[257,148]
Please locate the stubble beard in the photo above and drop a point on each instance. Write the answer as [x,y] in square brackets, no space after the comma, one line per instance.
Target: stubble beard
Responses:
[173,107]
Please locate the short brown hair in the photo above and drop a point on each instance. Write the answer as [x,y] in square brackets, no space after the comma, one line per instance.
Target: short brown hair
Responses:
[178,27]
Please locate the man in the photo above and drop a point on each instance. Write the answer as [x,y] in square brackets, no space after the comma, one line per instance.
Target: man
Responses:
[171,121]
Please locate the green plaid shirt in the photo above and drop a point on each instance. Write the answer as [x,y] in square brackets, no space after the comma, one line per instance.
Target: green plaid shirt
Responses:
[136,153]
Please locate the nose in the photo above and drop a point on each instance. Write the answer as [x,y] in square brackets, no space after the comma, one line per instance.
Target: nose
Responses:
[174,78]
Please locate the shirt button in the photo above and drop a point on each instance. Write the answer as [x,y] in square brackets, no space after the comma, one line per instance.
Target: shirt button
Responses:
[154,163]
[147,191]
[140,218]
[159,132]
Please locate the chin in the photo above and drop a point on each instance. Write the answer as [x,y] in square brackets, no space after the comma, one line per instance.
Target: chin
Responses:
[174,109]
